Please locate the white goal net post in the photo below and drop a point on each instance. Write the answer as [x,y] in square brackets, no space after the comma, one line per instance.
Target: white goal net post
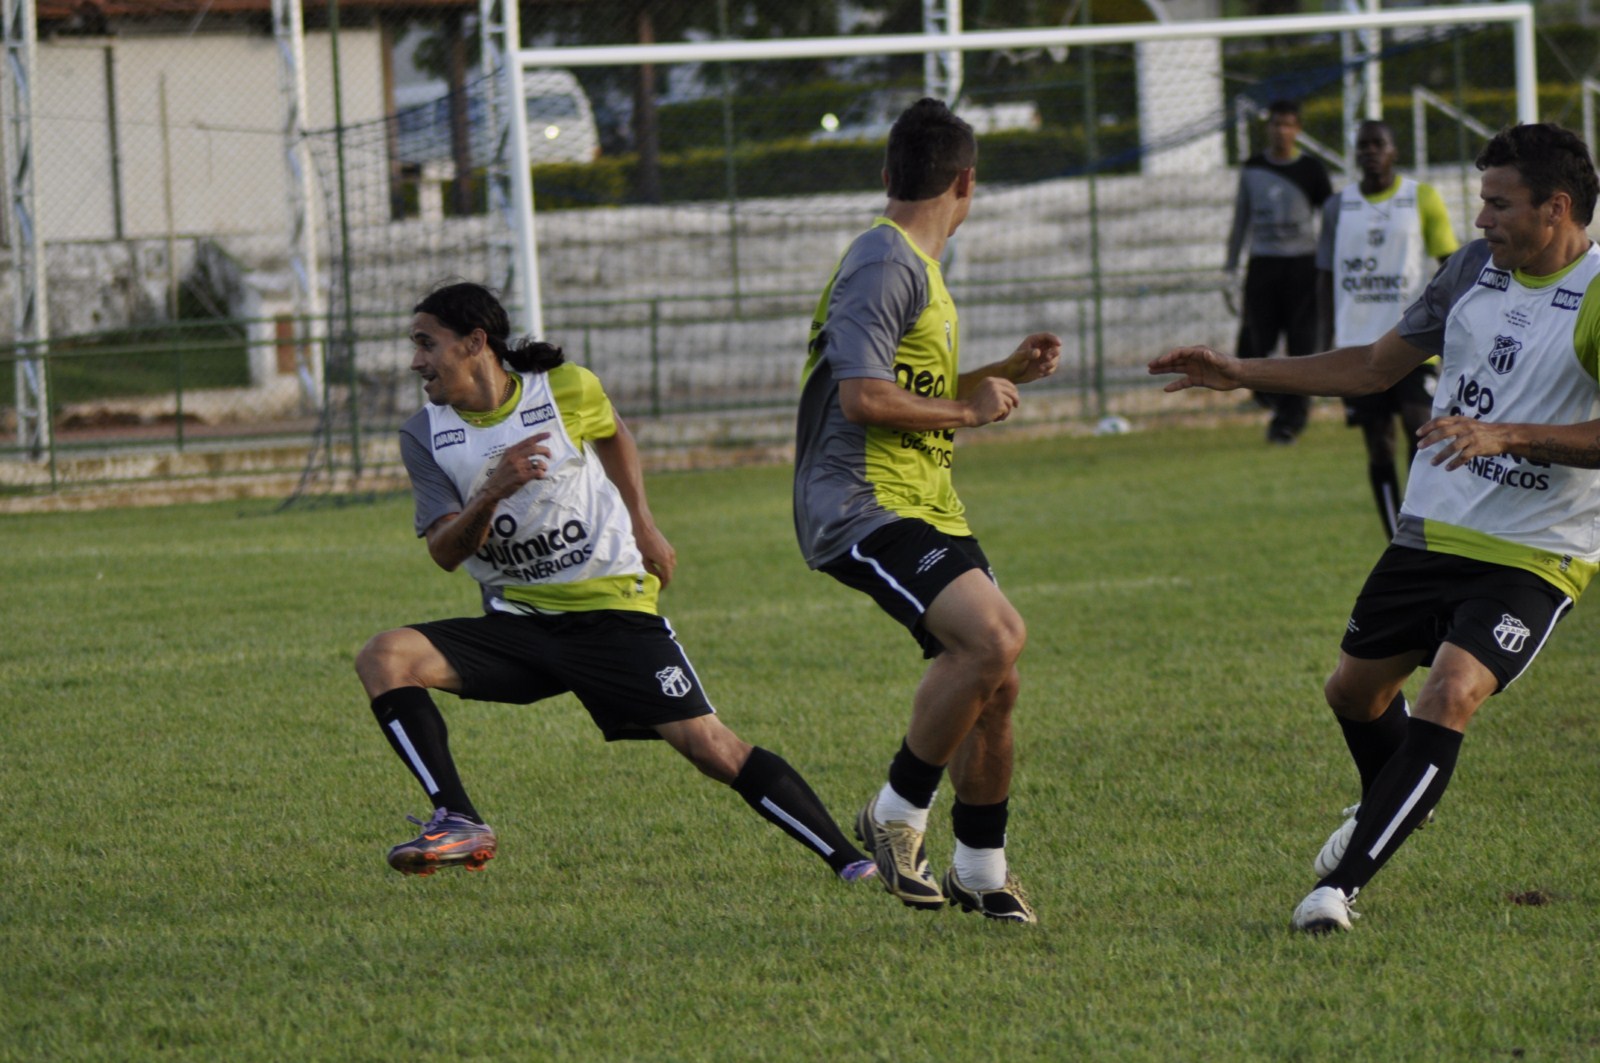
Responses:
[501,30]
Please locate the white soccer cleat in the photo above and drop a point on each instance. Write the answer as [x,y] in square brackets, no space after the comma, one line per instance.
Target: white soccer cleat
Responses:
[1334,848]
[1325,909]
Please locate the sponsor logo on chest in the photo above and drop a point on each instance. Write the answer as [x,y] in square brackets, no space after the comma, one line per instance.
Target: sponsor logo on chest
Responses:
[1565,300]
[1498,279]
[449,438]
[539,414]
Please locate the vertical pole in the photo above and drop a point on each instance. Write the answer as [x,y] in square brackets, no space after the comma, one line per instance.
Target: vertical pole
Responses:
[114,142]
[1527,69]
[1372,41]
[655,357]
[501,26]
[348,340]
[166,199]
[1092,151]
[730,175]
[288,25]
[1419,135]
[1463,154]
[1586,89]
[32,306]
[942,72]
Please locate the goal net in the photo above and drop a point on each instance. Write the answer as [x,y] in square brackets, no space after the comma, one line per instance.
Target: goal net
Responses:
[683,259]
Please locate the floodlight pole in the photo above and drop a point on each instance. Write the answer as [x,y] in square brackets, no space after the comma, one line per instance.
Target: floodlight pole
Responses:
[32,313]
[288,28]
[499,25]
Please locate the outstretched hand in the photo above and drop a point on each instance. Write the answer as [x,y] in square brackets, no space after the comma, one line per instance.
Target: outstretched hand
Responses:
[1201,367]
[1035,357]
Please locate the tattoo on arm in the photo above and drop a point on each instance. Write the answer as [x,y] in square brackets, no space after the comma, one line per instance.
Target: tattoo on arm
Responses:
[470,531]
[1582,456]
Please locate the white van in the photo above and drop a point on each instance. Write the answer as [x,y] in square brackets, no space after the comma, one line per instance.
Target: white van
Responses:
[560,120]
[561,124]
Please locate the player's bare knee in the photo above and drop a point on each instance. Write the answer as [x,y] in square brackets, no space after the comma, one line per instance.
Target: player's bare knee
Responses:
[373,659]
[710,746]
[1450,703]
[384,662]
[999,644]
[1352,701]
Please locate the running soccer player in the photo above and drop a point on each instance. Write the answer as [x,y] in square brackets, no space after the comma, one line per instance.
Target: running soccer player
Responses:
[1496,534]
[1275,210]
[525,475]
[875,508]
[1375,254]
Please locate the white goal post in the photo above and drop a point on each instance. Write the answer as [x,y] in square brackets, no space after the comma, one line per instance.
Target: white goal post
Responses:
[500,31]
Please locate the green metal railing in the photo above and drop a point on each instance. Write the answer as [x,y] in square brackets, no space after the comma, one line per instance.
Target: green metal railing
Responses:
[188,387]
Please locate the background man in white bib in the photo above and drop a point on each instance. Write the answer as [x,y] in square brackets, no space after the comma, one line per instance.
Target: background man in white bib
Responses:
[1381,239]
[1498,532]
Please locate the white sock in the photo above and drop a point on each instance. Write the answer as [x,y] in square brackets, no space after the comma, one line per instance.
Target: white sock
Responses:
[892,808]
[980,869]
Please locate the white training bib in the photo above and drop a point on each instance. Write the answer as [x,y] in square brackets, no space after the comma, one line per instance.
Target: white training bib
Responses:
[569,527]
[1380,262]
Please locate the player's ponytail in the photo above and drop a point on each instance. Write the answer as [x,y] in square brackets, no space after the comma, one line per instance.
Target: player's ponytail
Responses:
[530,356]
[465,306]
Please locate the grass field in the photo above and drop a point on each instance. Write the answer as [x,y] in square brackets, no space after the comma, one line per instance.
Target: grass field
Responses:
[202,799]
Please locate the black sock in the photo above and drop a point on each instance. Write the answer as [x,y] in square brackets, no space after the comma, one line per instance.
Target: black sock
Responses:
[1385,492]
[1401,797]
[1373,742]
[981,826]
[774,789]
[414,727]
[913,778]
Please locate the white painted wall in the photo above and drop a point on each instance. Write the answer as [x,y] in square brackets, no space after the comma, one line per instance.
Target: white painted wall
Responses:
[224,129]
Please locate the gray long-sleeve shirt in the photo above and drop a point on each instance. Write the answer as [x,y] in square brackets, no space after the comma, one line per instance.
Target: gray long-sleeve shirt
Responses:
[1276,207]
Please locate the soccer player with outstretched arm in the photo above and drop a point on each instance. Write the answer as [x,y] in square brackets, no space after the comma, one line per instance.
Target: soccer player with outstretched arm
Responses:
[1497,533]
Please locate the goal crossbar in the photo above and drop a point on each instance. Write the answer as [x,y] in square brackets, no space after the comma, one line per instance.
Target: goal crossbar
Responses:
[1519,15]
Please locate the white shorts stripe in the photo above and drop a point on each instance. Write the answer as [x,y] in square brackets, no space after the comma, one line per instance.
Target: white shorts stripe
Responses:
[1405,809]
[799,828]
[411,755]
[1566,603]
[856,553]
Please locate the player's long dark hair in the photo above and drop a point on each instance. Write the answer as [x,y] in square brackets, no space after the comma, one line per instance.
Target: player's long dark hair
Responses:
[464,306]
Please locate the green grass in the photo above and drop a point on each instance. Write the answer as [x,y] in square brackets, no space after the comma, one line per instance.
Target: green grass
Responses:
[138,362]
[200,800]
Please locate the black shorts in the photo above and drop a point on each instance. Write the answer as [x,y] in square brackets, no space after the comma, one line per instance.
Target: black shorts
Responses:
[1418,599]
[626,667]
[903,566]
[1416,389]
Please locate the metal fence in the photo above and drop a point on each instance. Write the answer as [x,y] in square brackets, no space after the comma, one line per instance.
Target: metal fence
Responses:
[682,263]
